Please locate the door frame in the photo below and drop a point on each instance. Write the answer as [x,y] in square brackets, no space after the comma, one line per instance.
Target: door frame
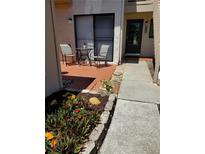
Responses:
[140,42]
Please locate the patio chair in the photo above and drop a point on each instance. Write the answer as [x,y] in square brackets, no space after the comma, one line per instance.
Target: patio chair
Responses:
[66,51]
[102,54]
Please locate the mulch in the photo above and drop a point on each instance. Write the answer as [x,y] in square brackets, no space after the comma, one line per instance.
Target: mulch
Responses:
[103,100]
[59,99]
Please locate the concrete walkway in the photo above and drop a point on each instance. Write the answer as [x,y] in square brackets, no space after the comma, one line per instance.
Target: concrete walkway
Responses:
[135,125]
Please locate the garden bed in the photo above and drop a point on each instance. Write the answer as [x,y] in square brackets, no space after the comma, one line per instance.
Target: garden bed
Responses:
[71,119]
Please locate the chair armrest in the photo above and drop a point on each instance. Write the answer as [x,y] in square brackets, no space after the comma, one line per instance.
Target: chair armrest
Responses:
[91,54]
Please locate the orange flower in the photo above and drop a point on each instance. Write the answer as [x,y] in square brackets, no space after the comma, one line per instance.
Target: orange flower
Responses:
[76,110]
[48,135]
[53,143]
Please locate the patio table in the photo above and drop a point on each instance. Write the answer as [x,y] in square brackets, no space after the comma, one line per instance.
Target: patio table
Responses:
[83,52]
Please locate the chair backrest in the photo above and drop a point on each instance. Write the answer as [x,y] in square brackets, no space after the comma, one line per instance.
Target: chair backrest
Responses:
[66,49]
[89,45]
[104,50]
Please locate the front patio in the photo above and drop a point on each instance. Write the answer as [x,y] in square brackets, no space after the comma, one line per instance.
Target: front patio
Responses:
[78,77]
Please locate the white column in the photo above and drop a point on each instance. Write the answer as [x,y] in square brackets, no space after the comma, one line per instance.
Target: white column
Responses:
[156,18]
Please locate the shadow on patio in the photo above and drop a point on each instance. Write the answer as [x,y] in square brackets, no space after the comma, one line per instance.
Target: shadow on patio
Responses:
[79,77]
[75,83]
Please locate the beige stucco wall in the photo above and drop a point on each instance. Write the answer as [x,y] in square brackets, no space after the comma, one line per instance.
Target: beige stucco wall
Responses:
[147,45]
[52,78]
[140,6]
[65,30]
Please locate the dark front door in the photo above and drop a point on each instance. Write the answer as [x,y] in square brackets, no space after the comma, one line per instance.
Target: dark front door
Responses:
[133,37]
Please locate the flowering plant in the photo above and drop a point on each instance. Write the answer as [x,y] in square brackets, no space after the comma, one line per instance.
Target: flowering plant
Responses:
[69,125]
[107,85]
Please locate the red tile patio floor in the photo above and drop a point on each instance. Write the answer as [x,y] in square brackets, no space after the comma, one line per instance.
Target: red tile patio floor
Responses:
[85,76]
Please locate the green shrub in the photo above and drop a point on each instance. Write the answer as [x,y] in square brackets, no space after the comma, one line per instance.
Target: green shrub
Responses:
[106,87]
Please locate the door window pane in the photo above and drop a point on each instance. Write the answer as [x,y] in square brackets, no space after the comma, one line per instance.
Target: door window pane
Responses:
[104,34]
[84,31]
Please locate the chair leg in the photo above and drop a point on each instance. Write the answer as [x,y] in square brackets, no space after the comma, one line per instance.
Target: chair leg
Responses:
[63,59]
[98,63]
[72,60]
[78,59]
[89,61]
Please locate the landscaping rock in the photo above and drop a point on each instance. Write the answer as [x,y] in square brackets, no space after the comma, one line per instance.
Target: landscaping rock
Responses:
[94,136]
[53,102]
[88,147]
[85,91]
[117,73]
[109,105]
[112,97]
[93,92]
[104,117]
[116,79]
[103,92]
[99,128]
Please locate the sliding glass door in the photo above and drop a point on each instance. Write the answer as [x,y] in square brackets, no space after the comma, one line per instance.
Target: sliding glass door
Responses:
[84,31]
[95,31]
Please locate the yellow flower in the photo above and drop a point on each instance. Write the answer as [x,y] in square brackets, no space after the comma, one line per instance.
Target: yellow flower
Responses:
[53,143]
[72,97]
[94,101]
[48,135]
